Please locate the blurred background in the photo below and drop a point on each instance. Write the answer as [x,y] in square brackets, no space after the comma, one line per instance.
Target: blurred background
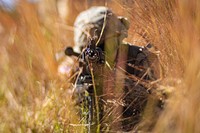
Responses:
[34,97]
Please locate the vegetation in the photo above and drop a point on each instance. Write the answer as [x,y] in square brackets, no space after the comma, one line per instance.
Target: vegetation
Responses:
[34,97]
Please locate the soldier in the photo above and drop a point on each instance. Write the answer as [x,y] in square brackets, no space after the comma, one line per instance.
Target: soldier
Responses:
[108,31]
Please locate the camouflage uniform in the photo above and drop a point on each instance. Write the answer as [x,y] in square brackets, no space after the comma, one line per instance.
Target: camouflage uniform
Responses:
[89,24]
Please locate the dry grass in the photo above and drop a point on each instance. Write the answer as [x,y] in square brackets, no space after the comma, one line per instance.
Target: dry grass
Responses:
[33,98]
[173,27]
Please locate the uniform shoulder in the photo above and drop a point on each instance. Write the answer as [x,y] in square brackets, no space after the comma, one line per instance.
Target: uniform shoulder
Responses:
[133,47]
[148,51]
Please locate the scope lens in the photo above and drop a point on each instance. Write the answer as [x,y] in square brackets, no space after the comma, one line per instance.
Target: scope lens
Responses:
[92,55]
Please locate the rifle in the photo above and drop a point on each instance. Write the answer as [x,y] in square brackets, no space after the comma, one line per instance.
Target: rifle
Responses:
[91,112]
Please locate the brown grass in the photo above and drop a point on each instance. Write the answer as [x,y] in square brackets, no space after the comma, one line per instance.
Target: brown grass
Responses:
[33,98]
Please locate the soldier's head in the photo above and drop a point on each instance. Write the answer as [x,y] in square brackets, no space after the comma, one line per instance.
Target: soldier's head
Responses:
[98,23]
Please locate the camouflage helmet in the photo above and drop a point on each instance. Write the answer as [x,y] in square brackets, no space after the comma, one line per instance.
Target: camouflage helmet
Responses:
[98,22]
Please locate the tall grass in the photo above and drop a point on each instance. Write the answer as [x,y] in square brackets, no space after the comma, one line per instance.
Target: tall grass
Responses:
[182,112]
[173,27]
[33,98]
